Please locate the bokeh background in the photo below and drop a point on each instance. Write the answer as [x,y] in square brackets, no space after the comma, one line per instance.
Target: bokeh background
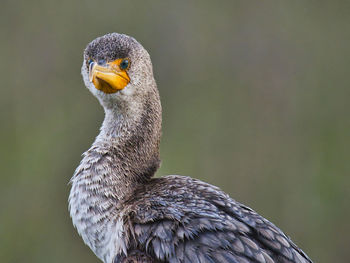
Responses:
[255,99]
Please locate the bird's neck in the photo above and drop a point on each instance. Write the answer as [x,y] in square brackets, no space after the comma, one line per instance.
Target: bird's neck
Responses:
[126,151]
[124,155]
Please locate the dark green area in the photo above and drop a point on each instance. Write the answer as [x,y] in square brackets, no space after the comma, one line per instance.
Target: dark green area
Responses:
[255,100]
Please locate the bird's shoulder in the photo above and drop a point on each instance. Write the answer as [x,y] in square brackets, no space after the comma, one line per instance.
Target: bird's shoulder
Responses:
[181,219]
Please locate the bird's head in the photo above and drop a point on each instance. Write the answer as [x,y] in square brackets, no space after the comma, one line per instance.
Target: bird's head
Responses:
[117,70]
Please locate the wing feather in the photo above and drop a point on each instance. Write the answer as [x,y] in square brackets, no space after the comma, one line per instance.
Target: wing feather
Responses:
[204,225]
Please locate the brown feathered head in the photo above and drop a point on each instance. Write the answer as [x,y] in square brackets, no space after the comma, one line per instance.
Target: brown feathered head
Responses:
[118,70]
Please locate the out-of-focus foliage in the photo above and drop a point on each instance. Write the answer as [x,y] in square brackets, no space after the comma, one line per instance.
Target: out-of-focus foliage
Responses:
[255,99]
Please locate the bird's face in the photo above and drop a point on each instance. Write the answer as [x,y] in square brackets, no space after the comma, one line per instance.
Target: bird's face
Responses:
[116,68]
[109,77]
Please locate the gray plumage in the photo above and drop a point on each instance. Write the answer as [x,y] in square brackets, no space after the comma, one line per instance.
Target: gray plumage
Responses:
[125,215]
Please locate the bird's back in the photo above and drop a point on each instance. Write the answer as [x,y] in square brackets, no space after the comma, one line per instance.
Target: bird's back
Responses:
[180,219]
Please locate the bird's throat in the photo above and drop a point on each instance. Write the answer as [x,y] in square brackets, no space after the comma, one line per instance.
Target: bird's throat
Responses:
[129,140]
[124,156]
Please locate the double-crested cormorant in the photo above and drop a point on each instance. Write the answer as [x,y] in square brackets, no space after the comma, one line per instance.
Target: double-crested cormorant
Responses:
[125,215]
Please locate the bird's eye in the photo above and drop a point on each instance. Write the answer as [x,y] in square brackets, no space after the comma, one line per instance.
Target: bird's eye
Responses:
[124,64]
[90,61]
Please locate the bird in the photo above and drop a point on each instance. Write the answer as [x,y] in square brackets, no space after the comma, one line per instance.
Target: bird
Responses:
[125,214]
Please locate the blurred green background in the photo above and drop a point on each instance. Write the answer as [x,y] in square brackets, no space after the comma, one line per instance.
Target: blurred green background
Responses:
[255,100]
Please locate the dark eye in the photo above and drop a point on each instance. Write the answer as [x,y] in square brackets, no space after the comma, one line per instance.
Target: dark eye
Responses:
[124,64]
[90,61]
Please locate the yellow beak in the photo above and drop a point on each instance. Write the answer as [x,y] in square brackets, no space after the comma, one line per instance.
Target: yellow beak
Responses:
[109,78]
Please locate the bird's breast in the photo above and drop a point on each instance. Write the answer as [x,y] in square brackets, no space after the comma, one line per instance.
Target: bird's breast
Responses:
[97,222]
[93,206]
